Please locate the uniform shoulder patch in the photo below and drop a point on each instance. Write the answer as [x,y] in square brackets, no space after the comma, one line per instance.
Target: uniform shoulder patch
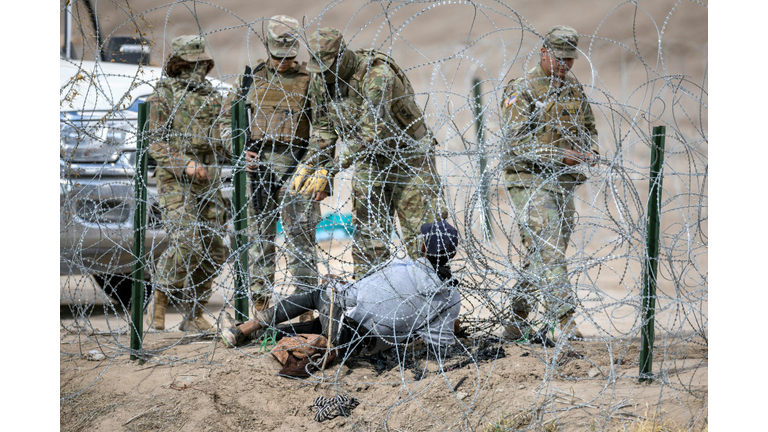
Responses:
[510,100]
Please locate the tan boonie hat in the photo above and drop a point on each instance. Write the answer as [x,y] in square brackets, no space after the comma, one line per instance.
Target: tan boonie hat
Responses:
[281,36]
[324,47]
[190,48]
[562,41]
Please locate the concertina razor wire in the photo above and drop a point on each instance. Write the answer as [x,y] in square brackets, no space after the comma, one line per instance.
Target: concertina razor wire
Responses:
[541,251]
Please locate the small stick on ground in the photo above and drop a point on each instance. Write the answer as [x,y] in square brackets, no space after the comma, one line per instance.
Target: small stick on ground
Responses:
[139,415]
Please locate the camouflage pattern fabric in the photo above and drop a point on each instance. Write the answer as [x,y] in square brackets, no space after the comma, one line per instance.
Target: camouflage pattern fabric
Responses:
[385,191]
[279,148]
[191,48]
[281,36]
[182,114]
[546,223]
[299,217]
[542,121]
[561,41]
[324,46]
[395,173]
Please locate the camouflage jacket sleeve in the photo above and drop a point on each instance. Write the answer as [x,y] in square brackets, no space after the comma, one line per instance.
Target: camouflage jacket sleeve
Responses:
[589,124]
[520,128]
[160,129]
[221,144]
[224,122]
[377,93]
[372,127]
[322,142]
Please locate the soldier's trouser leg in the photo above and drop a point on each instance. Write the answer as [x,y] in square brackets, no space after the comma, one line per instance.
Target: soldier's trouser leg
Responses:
[202,277]
[420,200]
[262,232]
[372,217]
[300,217]
[181,257]
[545,219]
[156,313]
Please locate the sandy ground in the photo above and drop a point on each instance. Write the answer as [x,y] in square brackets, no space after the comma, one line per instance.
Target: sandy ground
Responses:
[194,383]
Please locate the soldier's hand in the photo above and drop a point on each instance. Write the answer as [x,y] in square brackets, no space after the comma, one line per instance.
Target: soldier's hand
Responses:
[315,184]
[320,195]
[574,158]
[302,172]
[196,171]
[251,161]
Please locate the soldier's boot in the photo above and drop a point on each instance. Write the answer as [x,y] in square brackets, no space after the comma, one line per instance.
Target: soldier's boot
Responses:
[194,319]
[568,328]
[517,329]
[194,316]
[156,312]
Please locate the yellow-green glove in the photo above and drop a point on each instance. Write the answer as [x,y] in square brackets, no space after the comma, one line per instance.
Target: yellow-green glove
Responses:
[315,183]
[299,177]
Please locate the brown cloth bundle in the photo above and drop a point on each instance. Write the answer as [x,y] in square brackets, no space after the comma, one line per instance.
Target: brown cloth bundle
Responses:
[298,354]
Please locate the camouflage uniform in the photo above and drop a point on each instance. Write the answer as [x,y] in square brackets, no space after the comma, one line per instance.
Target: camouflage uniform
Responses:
[363,98]
[542,120]
[279,129]
[182,114]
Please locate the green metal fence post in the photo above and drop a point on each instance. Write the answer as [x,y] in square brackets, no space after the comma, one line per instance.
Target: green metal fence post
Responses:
[240,212]
[652,252]
[483,162]
[139,232]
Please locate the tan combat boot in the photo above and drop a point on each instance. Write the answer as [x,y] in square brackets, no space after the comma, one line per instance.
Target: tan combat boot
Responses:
[569,330]
[516,332]
[194,320]
[517,329]
[156,313]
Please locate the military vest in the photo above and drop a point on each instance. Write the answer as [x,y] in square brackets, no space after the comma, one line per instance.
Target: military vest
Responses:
[194,111]
[556,120]
[280,106]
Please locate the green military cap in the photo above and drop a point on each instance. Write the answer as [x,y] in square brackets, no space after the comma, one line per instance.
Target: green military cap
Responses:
[562,41]
[190,48]
[324,47]
[281,36]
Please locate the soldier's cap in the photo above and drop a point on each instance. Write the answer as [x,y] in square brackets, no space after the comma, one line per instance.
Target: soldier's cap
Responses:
[282,32]
[561,41]
[324,47]
[440,238]
[190,48]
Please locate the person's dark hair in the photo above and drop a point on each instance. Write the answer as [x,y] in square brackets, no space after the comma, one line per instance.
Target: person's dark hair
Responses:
[176,65]
[440,264]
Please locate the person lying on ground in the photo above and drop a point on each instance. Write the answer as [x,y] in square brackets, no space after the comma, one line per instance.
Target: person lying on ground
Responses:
[401,301]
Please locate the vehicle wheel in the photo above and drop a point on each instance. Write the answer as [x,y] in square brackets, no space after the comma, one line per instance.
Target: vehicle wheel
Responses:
[120,287]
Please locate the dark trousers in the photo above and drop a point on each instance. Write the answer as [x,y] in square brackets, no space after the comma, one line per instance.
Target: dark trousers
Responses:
[344,332]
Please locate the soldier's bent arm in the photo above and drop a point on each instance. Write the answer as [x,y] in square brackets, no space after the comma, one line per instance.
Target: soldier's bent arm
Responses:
[521,127]
[377,95]
[224,122]
[589,124]
[167,156]
[322,141]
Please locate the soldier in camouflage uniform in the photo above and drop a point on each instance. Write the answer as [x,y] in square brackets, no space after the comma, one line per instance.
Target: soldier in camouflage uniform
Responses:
[551,137]
[182,114]
[364,99]
[279,133]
